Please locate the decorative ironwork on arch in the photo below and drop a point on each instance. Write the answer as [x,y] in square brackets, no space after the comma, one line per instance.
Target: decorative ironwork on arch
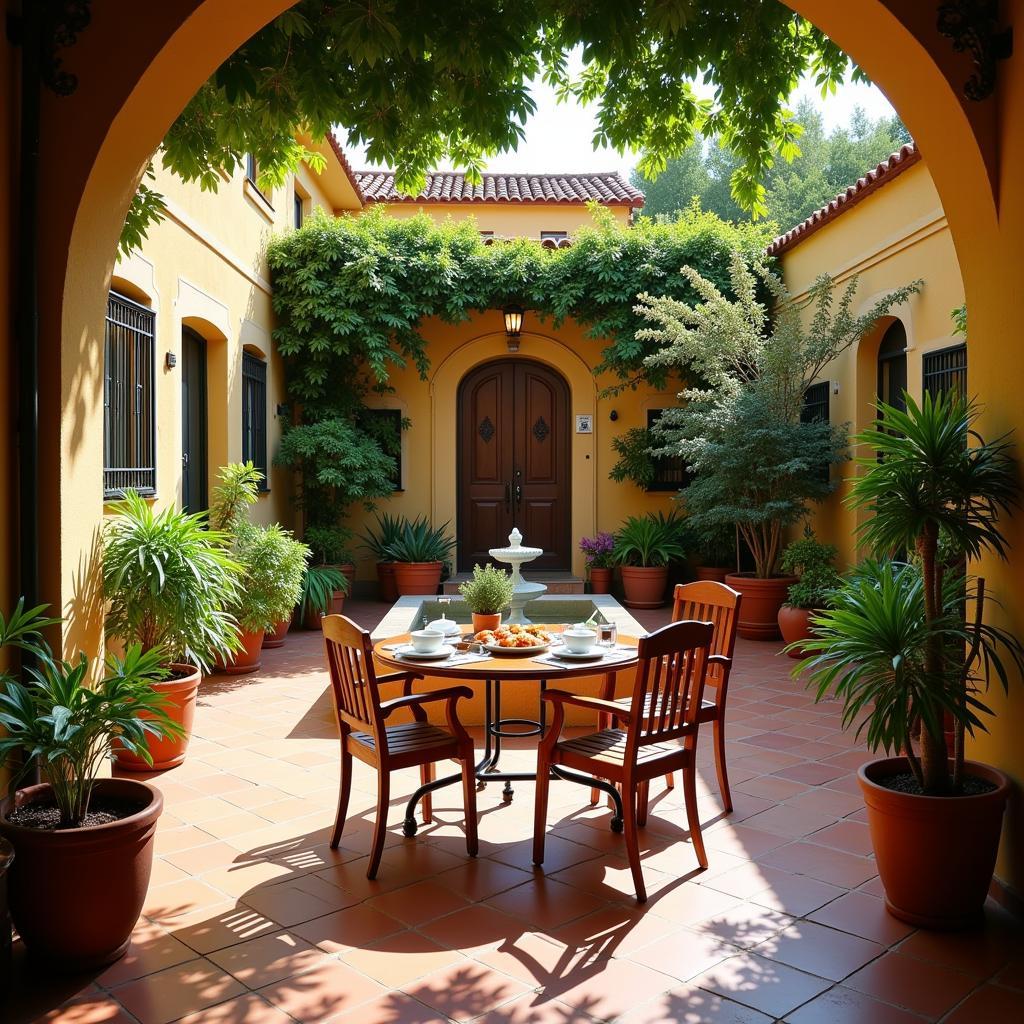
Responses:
[541,429]
[486,429]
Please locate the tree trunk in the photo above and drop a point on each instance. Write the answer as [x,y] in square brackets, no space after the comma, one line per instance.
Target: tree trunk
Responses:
[934,754]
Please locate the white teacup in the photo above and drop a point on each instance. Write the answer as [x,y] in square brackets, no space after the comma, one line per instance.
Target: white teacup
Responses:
[426,641]
[579,639]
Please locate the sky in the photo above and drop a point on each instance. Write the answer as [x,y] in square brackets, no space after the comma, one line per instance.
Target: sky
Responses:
[558,136]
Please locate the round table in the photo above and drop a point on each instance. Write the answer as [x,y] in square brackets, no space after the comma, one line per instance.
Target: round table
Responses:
[496,670]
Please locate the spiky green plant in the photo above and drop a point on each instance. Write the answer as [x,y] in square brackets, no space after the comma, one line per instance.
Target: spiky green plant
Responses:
[649,540]
[418,541]
[318,586]
[378,541]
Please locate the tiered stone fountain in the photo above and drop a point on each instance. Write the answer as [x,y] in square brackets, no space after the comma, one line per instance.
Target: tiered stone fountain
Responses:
[522,590]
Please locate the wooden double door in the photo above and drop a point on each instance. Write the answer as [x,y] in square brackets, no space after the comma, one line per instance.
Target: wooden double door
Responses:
[513,462]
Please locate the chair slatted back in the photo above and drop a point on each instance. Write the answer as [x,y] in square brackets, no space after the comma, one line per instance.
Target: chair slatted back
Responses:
[707,601]
[670,682]
[353,679]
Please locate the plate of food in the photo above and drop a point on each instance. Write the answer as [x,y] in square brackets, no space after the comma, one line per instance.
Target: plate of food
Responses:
[525,640]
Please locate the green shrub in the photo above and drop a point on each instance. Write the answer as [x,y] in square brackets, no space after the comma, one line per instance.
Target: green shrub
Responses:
[489,591]
[813,562]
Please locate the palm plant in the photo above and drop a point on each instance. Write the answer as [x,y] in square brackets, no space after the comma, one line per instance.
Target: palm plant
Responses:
[318,587]
[67,726]
[898,646]
[649,540]
[168,581]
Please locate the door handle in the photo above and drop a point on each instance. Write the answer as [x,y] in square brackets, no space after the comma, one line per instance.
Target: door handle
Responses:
[508,496]
[519,490]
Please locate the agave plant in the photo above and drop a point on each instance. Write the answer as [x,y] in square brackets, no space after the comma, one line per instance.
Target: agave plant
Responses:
[420,542]
[377,542]
[65,724]
[649,540]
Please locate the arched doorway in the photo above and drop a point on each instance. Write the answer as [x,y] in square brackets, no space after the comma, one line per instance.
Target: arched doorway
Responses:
[892,365]
[194,424]
[513,462]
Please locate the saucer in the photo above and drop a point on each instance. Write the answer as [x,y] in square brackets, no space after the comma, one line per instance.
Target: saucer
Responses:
[591,655]
[444,651]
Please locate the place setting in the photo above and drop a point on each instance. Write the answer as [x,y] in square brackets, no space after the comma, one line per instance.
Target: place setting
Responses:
[582,643]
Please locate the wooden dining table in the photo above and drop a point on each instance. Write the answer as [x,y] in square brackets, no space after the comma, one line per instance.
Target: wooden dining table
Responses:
[512,669]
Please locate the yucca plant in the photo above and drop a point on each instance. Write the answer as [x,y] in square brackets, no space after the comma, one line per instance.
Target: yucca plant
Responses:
[67,726]
[418,541]
[318,586]
[649,541]
[169,582]
[899,646]
[378,541]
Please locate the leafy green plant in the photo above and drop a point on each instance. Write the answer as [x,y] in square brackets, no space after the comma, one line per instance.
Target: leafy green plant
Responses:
[755,462]
[813,562]
[329,544]
[711,544]
[275,564]
[649,540]
[906,645]
[237,492]
[635,461]
[489,590]
[377,542]
[421,542]
[66,725]
[169,582]
[318,586]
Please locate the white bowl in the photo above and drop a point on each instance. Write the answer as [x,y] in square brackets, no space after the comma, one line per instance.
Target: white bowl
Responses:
[426,641]
[579,641]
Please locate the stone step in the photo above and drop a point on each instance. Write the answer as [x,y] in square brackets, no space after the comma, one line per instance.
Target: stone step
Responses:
[556,582]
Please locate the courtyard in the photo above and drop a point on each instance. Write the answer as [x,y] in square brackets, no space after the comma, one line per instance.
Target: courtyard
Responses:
[251,919]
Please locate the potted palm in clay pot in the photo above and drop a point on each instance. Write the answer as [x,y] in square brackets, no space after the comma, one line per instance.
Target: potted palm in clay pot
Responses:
[318,596]
[83,844]
[817,578]
[168,581]
[644,546]
[907,646]
[755,455]
[487,594]
[378,541]
[419,553]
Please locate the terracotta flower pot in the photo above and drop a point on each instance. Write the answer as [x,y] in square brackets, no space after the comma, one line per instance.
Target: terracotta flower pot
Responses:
[935,854]
[278,637]
[644,585]
[247,659]
[795,624]
[483,621]
[600,580]
[710,573]
[415,578]
[386,582]
[168,751]
[762,599]
[75,895]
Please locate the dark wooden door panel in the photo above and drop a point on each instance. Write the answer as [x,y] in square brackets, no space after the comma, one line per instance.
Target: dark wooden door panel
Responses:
[193,421]
[513,459]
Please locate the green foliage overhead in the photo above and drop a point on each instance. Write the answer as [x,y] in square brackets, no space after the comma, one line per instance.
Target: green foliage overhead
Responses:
[489,591]
[418,82]
[827,164]
[350,293]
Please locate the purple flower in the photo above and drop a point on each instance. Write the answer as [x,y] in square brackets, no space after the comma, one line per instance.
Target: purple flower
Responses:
[598,550]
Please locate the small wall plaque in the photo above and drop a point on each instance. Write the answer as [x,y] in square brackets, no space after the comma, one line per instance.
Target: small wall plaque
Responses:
[585,424]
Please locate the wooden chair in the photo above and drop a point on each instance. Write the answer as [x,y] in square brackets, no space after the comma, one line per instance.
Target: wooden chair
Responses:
[660,735]
[704,601]
[361,721]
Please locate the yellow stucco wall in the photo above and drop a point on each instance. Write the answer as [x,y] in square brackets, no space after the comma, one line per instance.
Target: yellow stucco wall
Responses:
[896,235]
[518,220]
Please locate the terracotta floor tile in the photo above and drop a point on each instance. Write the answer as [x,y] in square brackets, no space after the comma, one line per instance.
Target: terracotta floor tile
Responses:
[821,863]
[160,998]
[475,927]
[850,836]
[684,953]
[688,903]
[915,985]
[196,860]
[828,800]
[248,1009]
[616,930]
[545,902]
[401,958]
[791,820]
[746,840]
[464,990]
[979,951]
[814,773]
[178,898]
[348,929]
[221,925]
[610,988]
[691,1005]
[98,1008]
[989,1004]
[860,913]
[267,959]
[418,903]
[392,1008]
[322,994]
[538,961]
[844,1006]
[186,837]
[535,1008]
[558,854]
[152,949]
[762,984]
[288,903]
[744,925]
[481,878]
[818,950]
[771,787]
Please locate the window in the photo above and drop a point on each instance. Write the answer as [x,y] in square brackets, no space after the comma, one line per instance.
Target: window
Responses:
[129,387]
[250,167]
[251,179]
[386,427]
[945,370]
[298,210]
[254,413]
[553,236]
[670,470]
[816,410]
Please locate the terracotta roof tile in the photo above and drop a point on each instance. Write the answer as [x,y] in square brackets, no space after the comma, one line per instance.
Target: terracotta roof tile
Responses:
[451,187]
[885,172]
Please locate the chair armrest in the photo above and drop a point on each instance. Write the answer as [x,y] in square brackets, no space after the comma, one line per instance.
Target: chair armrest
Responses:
[452,693]
[578,700]
[719,659]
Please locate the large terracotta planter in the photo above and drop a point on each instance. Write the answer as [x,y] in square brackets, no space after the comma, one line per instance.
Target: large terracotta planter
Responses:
[482,621]
[386,582]
[600,580]
[278,637]
[762,599]
[710,573]
[248,659]
[75,895]
[414,578]
[794,625]
[168,751]
[935,854]
[644,585]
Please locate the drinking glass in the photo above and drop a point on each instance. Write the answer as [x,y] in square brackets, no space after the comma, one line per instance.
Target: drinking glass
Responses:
[607,634]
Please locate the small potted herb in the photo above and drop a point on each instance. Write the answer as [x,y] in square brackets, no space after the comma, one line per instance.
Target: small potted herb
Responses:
[812,562]
[378,541]
[83,844]
[419,553]
[486,595]
[598,554]
[644,546]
